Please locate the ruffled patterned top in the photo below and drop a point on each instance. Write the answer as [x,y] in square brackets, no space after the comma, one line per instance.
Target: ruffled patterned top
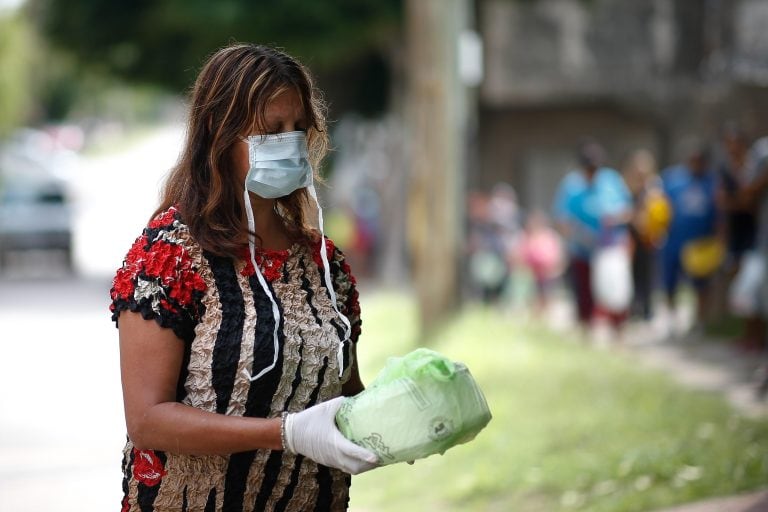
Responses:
[220,311]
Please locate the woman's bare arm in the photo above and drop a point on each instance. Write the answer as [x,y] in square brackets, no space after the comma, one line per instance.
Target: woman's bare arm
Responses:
[150,363]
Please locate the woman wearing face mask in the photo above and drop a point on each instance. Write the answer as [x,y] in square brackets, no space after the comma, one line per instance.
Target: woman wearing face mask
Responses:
[238,321]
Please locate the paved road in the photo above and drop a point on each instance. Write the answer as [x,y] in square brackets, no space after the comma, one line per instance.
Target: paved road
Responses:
[689,358]
[61,425]
[61,418]
[752,502]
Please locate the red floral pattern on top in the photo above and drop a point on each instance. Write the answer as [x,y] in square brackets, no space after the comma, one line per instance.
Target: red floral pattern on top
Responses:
[147,467]
[165,261]
[159,278]
[270,262]
[166,218]
[124,285]
[329,249]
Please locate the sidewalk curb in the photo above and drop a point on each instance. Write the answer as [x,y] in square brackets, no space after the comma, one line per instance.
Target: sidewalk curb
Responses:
[692,359]
[698,362]
[752,502]
[709,365]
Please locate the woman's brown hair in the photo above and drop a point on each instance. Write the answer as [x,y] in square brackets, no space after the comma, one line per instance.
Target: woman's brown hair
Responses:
[229,98]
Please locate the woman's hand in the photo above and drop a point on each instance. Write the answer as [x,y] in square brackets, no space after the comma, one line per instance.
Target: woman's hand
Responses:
[313,433]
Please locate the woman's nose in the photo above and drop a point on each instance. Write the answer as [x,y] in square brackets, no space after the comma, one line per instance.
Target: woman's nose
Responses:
[288,126]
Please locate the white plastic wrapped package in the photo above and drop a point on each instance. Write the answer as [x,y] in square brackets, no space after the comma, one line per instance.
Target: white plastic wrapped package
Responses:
[612,278]
[418,405]
[744,292]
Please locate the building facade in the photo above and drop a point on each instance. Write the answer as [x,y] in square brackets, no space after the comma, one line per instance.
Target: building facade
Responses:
[633,74]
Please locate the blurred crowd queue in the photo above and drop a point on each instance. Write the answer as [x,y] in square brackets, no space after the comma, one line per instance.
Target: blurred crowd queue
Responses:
[618,236]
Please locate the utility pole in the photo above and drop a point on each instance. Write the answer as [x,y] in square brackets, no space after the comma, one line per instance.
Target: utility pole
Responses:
[436,120]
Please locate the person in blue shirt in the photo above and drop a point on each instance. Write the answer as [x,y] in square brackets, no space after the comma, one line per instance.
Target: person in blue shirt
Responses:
[592,208]
[691,187]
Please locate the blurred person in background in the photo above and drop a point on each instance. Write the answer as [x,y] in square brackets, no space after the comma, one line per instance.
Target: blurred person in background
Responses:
[505,216]
[691,249]
[756,193]
[592,208]
[504,213]
[540,251]
[650,220]
[739,215]
[238,321]
[366,214]
[489,218]
[740,222]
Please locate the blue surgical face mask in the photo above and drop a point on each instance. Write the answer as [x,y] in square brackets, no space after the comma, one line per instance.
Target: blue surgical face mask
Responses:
[279,164]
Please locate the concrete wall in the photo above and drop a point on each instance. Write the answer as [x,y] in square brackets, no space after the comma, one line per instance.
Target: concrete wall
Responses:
[630,73]
[565,50]
[533,148]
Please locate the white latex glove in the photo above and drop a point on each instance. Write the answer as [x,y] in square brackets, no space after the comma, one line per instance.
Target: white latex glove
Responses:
[313,433]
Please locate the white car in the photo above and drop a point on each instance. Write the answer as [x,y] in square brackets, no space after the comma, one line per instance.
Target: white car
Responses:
[35,210]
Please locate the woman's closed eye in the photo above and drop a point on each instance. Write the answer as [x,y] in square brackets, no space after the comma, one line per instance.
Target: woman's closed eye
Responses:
[278,131]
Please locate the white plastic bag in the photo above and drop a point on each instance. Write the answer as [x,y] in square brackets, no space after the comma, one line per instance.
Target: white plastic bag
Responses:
[744,292]
[612,278]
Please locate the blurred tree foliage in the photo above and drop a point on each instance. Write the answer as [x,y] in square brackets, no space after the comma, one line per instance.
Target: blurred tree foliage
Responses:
[164,42]
[17,52]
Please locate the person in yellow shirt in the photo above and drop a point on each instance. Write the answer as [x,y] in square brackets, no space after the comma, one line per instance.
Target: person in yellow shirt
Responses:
[649,225]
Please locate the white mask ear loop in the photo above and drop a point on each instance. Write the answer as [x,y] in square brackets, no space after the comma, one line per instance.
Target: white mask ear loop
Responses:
[328,283]
[262,282]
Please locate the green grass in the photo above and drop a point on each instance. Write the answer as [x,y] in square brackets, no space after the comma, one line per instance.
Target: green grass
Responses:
[573,428]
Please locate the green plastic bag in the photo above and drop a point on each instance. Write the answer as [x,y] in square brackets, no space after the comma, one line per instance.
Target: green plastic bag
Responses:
[418,405]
